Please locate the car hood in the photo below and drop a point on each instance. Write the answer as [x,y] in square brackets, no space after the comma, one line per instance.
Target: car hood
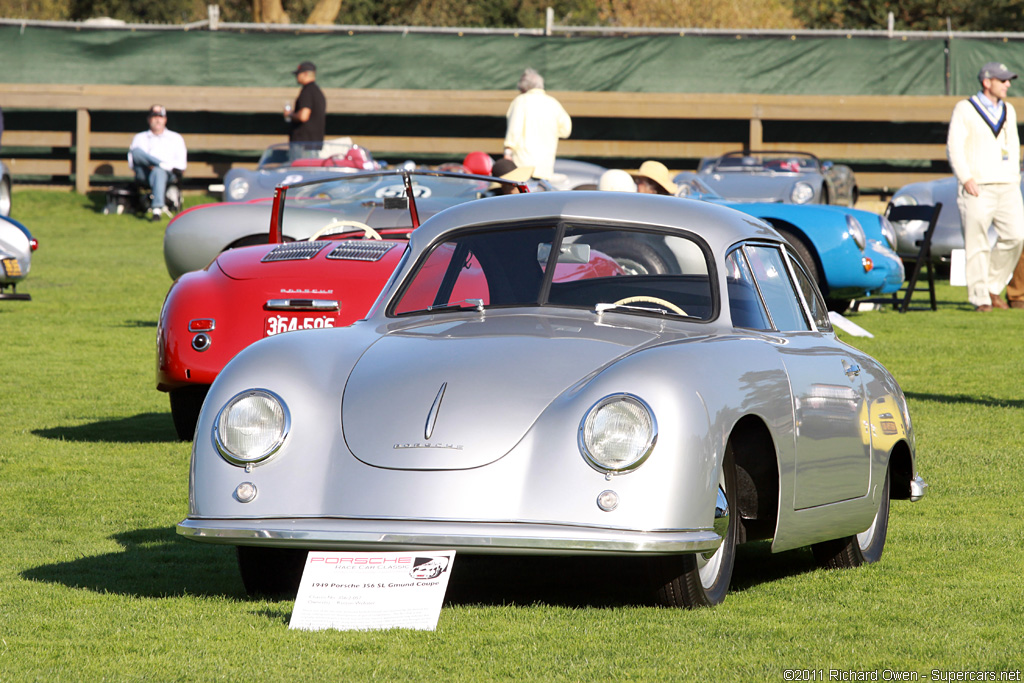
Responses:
[459,394]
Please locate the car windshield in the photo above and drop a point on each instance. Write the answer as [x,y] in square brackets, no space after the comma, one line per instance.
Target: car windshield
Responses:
[579,266]
[780,162]
[378,199]
[339,153]
[692,188]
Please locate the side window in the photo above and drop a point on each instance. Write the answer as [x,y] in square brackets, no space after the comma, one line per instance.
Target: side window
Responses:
[778,290]
[744,302]
[819,313]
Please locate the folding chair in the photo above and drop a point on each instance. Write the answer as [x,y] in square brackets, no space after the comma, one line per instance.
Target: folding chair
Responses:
[921,212]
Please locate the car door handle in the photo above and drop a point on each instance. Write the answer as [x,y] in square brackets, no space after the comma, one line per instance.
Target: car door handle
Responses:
[852,370]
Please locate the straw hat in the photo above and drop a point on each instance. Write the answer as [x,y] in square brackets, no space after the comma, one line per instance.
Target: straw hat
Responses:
[658,173]
[507,170]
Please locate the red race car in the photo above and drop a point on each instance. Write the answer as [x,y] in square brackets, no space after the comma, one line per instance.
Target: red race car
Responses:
[359,226]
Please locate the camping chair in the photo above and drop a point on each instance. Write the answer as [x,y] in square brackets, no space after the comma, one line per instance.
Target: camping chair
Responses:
[921,212]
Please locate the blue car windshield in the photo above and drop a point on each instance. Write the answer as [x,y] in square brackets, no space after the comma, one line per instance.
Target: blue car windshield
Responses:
[578,266]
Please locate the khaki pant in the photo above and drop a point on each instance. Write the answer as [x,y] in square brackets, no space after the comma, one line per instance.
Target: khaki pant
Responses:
[988,268]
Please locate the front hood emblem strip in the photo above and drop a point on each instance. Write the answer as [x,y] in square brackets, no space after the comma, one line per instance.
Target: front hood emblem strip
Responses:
[432,416]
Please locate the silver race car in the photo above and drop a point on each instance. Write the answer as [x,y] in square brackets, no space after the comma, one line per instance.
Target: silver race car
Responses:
[514,390]
[777,176]
[16,247]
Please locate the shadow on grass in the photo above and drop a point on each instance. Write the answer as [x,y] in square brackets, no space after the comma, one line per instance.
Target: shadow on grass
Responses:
[139,323]
[596,582]
[987,401]
[157,563]
[144,428]
[153,563]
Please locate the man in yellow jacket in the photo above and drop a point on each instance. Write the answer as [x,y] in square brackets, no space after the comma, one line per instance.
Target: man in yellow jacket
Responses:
[535,121]
[984,151]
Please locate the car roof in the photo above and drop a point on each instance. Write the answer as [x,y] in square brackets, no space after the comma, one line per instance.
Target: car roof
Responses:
[719,226]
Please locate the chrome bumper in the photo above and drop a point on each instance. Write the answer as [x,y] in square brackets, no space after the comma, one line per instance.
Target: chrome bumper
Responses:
[917,488]
[472,538]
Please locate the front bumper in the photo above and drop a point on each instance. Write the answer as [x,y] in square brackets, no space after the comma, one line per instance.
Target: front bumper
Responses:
[468,537]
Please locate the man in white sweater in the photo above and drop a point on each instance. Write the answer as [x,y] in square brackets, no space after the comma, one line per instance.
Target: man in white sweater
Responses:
[535,123]
[984,150]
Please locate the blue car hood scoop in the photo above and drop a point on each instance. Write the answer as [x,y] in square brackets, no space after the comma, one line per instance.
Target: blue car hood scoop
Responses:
[461,394]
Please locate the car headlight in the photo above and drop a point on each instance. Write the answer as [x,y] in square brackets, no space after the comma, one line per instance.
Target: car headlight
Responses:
[618,433]
[888,232]
[238,188]
[904,200]
[251,427]
[853,227]
[801,193]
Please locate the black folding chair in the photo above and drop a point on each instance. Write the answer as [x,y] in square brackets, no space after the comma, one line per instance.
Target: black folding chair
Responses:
[921,212]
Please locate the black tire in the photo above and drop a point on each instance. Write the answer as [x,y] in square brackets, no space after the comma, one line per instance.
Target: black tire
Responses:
[863,548]
[634,256]
[701,580]
[273,572]
[186,402]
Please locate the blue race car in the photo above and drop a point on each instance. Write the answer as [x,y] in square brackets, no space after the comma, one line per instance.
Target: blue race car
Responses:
[851,253]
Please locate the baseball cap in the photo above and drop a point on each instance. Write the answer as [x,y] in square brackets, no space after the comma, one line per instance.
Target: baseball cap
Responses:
[305,66]
[997,71]
[157,110]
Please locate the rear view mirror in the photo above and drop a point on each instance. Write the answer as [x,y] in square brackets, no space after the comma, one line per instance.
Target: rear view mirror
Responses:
[568,253]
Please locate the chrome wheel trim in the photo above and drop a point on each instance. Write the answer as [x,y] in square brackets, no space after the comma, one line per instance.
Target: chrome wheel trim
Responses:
[709,565]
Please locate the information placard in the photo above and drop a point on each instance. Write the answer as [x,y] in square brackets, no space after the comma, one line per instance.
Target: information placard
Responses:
[369,591]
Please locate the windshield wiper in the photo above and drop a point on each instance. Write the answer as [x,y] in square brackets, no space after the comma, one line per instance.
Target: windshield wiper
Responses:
[478,304]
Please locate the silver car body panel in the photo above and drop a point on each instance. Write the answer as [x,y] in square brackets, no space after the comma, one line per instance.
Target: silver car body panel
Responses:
[502,470]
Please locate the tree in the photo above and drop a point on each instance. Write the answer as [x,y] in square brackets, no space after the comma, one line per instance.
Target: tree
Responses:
[912,15]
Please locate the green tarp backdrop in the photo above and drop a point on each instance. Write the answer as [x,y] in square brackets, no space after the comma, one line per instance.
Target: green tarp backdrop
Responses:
[798,64]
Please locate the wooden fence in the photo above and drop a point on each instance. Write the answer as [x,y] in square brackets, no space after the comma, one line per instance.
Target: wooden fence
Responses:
[72,151]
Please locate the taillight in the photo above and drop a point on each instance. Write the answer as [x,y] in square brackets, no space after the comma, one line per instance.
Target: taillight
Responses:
[201,325]
[34,243]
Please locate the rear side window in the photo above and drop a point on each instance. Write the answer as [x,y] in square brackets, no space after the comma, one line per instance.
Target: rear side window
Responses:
[819,313]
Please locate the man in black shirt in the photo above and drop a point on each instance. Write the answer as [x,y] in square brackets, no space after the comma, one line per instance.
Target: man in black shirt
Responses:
[309,117]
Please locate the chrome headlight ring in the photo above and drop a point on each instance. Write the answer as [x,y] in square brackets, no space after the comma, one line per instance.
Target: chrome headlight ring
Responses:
[888,232]
[251,427]
[904,200]
[238,188]
[617,434]
[801,193]
[856,231]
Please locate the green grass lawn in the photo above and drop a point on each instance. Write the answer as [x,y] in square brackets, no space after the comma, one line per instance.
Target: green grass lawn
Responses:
[95,584]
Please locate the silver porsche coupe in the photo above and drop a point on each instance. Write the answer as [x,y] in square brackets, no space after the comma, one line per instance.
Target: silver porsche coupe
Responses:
[510,393]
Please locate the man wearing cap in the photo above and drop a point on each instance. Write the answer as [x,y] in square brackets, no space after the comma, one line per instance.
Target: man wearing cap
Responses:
[308,119]
[984,151]
[154,155]
[534,123]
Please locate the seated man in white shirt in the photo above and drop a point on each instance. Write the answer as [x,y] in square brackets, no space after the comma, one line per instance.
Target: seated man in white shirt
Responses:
[154,155]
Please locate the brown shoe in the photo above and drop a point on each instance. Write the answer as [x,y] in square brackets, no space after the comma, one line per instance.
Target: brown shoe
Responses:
[1016,303]
[984,308]
[997,301]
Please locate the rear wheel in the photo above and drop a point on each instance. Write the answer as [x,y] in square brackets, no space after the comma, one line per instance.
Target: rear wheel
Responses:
[702,579]
[634,256]
[186,402]
[271,571]
[864,548]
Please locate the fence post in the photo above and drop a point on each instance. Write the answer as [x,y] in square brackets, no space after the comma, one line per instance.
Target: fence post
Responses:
[83,125]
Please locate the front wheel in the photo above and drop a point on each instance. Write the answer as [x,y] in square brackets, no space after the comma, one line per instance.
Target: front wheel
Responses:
[271,571]
[864,548]
[702,579]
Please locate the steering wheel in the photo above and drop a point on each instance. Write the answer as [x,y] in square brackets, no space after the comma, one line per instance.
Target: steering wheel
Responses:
[651,300]
[337,226]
